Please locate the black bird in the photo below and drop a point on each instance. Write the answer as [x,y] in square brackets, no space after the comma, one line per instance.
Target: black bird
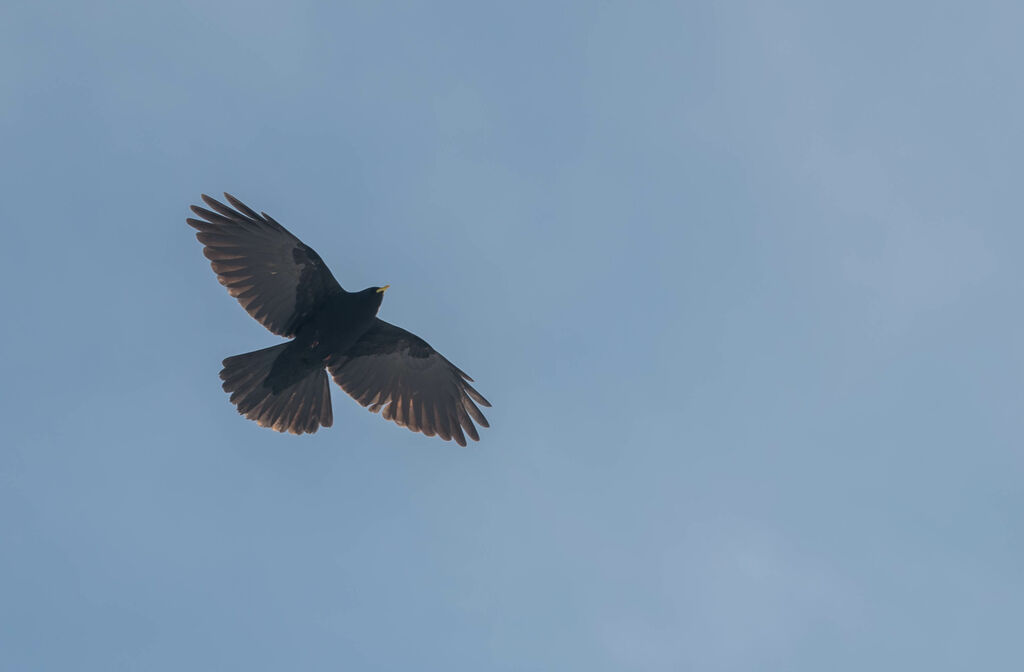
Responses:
[288,288]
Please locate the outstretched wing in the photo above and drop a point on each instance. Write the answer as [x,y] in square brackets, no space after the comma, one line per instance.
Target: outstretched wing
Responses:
[277,278]
[391,369]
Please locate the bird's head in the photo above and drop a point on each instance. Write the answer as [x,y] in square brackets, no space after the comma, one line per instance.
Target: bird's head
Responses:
[375,295]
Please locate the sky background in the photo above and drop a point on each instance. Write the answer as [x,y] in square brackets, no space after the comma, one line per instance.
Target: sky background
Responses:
[742,280]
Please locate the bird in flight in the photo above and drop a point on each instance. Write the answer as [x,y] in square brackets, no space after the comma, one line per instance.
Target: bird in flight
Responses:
[287,287]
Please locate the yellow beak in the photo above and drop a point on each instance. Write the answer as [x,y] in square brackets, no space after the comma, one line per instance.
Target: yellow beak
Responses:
[383,289]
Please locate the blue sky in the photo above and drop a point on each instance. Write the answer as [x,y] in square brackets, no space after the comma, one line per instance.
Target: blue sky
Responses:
[742,281]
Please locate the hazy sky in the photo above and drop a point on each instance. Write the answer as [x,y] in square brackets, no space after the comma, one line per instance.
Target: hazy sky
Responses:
[742,280]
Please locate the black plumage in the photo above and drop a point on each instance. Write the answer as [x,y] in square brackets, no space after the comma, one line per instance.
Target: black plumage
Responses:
[287,287]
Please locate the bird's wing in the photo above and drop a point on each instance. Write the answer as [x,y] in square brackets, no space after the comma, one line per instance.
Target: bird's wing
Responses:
[391,369]
[277,278]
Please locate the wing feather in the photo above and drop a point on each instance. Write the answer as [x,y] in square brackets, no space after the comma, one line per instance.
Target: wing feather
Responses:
[276,277]
[394,372]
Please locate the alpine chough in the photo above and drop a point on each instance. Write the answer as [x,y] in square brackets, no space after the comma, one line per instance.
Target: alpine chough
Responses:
[287,287]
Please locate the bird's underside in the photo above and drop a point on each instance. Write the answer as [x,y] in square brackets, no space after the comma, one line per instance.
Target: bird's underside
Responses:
[285,285]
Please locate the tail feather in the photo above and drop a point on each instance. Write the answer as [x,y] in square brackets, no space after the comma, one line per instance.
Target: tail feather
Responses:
[302,406]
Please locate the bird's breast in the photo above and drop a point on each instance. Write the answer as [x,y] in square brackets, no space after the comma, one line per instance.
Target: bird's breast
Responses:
[332,331]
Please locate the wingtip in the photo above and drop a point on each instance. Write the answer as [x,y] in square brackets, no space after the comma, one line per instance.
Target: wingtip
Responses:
[241,207]
[212,202]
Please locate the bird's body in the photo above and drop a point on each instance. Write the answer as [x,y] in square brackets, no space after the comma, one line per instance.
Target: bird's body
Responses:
[286,286]
[335,325]
[340,321]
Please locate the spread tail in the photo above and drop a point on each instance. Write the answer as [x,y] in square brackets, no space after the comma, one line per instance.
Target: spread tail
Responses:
[303,405]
